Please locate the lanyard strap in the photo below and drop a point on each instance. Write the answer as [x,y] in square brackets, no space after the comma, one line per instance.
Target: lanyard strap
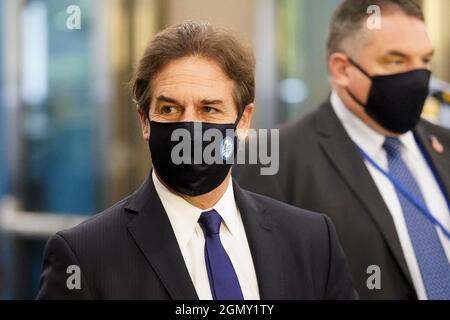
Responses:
[410,197]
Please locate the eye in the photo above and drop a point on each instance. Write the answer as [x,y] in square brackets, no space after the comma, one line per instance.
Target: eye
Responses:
[427,60]
[397,62]
[168,109]
[208,109]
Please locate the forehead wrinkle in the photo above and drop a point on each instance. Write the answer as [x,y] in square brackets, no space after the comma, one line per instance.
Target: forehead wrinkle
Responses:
[173,86]
[194,80]
[177,80]
[191,67]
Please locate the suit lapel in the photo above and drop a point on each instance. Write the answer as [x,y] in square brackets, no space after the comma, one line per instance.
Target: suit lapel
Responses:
[342,153]
[440,161]
[153,234]
[262,235]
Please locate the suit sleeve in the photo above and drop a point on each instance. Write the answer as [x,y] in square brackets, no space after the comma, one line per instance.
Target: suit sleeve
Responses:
[59,273]
[339,283]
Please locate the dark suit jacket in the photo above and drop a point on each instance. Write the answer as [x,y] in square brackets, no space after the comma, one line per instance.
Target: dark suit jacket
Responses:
[130,252]
[321,170]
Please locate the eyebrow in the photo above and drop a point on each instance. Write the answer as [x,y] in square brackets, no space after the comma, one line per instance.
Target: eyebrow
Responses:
[403,55]
[162,98]
[431,53]
[211,102]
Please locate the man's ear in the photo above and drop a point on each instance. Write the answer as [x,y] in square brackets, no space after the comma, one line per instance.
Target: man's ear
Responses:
[145,123]
[337,67]
[246,121]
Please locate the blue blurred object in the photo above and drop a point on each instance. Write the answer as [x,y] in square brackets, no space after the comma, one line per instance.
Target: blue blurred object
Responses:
[3,166]
[55,170]
[59,118]
[3,171]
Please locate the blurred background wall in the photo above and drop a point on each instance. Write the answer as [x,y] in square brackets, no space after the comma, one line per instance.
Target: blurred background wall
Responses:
[70,141]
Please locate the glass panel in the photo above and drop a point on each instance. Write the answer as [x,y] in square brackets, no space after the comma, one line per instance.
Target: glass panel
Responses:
[303,31]
[59,113]
[3,169]
[58,117]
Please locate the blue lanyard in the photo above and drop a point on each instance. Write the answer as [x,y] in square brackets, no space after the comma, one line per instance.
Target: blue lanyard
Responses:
[410,197]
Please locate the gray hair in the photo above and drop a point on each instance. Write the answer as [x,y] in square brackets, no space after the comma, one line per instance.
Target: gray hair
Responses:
[348,20]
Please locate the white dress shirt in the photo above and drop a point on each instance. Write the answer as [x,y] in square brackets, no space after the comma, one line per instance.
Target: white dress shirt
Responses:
[372,143]
[184,220]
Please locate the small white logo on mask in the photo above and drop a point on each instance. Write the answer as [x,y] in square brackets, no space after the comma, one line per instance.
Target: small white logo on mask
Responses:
[227,148]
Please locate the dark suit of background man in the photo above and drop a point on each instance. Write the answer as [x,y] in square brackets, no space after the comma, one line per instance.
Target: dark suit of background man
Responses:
[190,231]
[330,160]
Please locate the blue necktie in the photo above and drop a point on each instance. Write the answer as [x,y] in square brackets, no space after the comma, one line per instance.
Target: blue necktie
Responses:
[433,263]
[222,277]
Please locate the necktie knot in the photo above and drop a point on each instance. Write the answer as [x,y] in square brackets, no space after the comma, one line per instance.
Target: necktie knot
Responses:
[210,222]
[392,146]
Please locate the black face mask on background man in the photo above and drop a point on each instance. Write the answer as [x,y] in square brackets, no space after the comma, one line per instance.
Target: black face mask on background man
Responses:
[396,101]
[193,178]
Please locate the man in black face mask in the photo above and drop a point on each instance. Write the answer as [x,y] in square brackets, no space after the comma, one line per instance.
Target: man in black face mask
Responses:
[190,231]
[366,158]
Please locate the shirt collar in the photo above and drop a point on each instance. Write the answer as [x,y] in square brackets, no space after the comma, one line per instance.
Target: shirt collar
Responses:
[184,216]
[228,210]
[363,135]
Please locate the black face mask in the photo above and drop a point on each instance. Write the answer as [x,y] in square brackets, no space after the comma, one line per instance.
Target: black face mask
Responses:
[193,176]
[396,101]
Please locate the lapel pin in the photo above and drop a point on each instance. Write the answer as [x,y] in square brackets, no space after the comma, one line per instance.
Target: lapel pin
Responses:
[436,145]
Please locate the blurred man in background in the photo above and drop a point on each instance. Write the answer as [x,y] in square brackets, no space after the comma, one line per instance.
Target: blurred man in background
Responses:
[189,232]
[366,158]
